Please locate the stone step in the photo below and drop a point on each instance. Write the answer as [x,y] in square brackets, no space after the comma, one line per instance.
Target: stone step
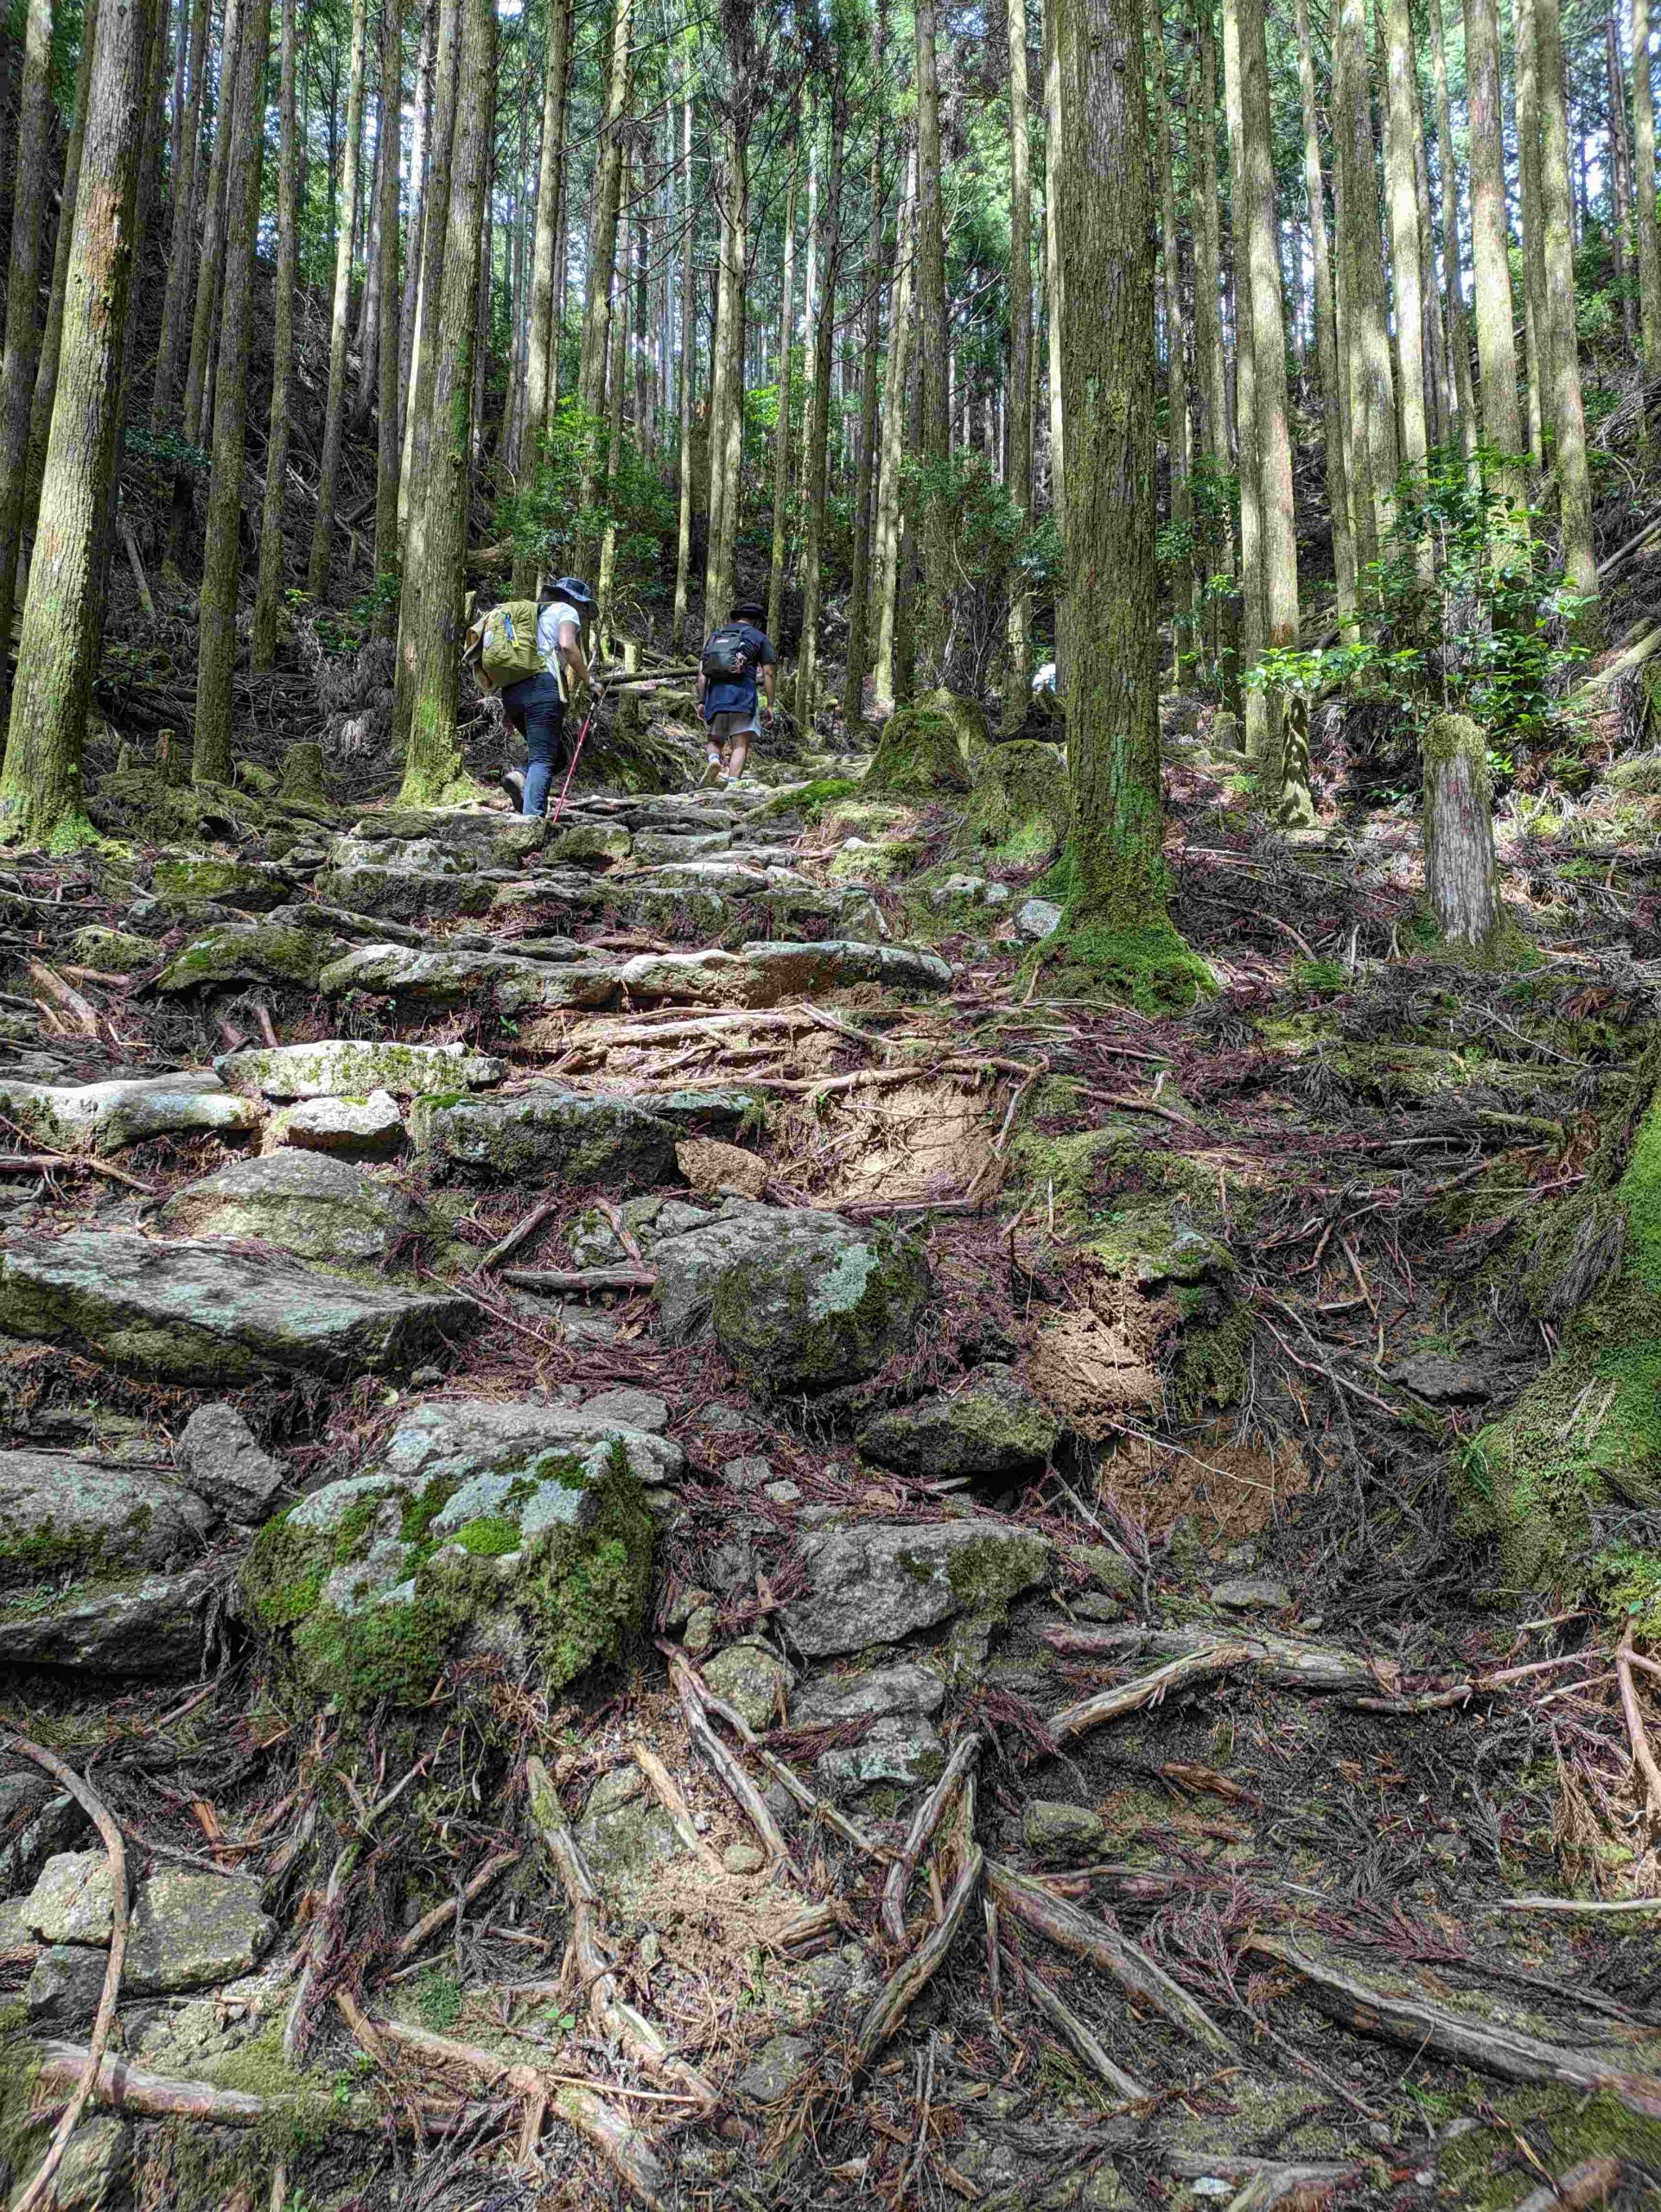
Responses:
[185,1312]
[106,1117]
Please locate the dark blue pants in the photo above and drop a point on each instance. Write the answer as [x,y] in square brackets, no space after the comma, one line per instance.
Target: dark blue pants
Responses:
[537,711]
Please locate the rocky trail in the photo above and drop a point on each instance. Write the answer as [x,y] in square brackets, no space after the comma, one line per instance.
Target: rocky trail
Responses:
[668,1536]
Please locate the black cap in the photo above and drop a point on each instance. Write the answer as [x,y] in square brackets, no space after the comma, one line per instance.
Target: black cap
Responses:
[749,607]
[574,590]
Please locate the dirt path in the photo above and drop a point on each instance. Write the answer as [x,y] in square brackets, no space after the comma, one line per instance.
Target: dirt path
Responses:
[857,1593]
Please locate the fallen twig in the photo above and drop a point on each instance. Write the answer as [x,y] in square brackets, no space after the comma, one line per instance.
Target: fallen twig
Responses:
[35,2192]
[1147,1689]
[1286,1660]
[1084,2039]
[42,1163]
[1131,1966]
[669,1795]
[580,1279]
[1643,1756]
[522,1232]
[452,1907]
[728,1772]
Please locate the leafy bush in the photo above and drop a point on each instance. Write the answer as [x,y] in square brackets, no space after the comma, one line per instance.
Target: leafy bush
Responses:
[548,522]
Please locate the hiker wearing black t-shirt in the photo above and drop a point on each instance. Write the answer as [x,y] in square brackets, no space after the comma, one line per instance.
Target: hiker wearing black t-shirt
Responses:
[737,670]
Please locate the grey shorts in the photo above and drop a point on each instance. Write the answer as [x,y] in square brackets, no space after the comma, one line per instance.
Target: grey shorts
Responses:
[722,729]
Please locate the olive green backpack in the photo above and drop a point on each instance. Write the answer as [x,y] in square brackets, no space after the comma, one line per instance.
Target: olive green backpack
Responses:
[502,644]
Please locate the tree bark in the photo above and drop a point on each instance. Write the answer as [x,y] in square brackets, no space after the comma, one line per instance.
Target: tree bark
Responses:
[322,535]
[182,258]
[1460,879]
[420,168]
[46,367]
[1407,249]
[1453,237]
[785,382]
[1649,227]
[818,426]
[222,543]
[727,380]
[1054,289]
[1018,442]
[889,508]
[268,595]
[1620,176]
[1567,417]
[1332,407]
[40,797]
[1502,425]
[1536,314]
[859,590]
[609,188]
[209,274]
[934,622]
[386,273]
[689,306]
[23,309]
[1117,921]
[542,353]
[430,642]
[1177,443]
[1363,330]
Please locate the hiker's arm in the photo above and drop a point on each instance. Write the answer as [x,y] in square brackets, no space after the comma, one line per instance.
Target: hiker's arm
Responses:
[704,685]
[571,646]
[769,675]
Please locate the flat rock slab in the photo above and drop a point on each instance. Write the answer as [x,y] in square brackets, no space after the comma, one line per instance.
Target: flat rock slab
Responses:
[72,1900]
[63,1517]
[880,1581]
[873,1695]
[189,1930]
[547,1132]
[102,1118]
[347,1129]
[407,893]
[306,1204]
[151,1626]
[465,1439]
[249,952]
[194,1312]
[347,1067]
[224,1464]
[766,972]
[452,978]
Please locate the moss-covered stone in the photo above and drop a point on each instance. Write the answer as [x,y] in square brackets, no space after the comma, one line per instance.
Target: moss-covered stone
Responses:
[249,952]
[990,1426]
[113,952]
[1021,809]
[371,1586]
[1585,1436]
[826,1305]
[302,783]
[235,883]
[936,745]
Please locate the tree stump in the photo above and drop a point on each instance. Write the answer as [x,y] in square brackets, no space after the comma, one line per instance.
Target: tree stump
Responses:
[302,776]
[1460,879]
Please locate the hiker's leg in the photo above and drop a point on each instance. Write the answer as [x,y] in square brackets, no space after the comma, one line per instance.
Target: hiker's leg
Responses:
[512,779]
[741,750]
[543,718]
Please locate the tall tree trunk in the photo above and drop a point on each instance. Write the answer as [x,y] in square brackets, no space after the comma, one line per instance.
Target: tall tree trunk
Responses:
[1649,227]
[1259,237]
[934,622]
[1438,401]
[420,431]
[269,593]
[727,380]
[1018,443]
[1536,314]
[889,504]
[1620,176]
[1053,288]
[781,423]
[1453,237]
[386,454]
[859,628]
[542,355]
[1254,610]
[1117,927]
[23,310]
[1502,424]
[46,367]
[222,544]
[688,305]
[1176,366]
[1408,251]
[1567,417]
[420,167]
[322,534]
[430,641]
[608,187]
[1332,406]
[181,258]
[204,322]
[1364,328]
[818,424]
[40,796]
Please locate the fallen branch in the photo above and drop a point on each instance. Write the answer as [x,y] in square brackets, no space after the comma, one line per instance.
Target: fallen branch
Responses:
[615,2020]
[1579,1905]
[579,1279]
[70,2067]
[1422,2027]
[1131,1966]
[669,1795]
[453,1907]
[92,1805]
[600,2124]
[42,1163]
[728,1772]
[1643,1756]
[522,1232]
[1147,1689]
[787,1776]
[895,1999]
[1083,2040]
[1286,1661]
[929,1815]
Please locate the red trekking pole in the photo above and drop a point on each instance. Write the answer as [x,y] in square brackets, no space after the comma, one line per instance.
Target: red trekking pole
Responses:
[576,754]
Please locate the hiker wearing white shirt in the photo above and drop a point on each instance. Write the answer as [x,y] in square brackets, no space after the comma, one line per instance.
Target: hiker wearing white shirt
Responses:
[536,706]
